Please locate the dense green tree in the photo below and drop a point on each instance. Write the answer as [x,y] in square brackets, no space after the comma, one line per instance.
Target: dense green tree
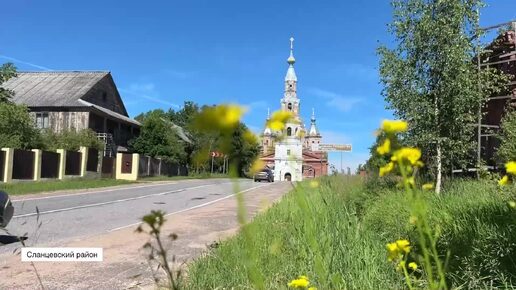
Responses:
[507,136]
[7,71]
[158,138]
[431,81]
[244,149]
[17,128]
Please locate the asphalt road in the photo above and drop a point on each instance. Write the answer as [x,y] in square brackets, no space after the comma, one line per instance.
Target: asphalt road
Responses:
[55,219]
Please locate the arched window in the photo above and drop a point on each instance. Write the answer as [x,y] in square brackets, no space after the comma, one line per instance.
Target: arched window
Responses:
[289,106]
[267,142]
[289,131]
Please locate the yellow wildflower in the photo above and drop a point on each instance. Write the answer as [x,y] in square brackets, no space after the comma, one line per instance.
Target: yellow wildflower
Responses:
[314,184]
[384,148]
[396,126]
[512,204]
[257,166]
[301,282]
[312,288]
[412,220]
[392,252]
[412,266]
[428,186]
[504,180]
[279,119]
[410,181]
[510,167]
[231,114]
[419,164]
[386,169]
[410,154]
[403,245]
[400,266]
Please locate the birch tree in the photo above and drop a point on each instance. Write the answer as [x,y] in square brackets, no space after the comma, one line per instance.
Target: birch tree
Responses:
[430,79]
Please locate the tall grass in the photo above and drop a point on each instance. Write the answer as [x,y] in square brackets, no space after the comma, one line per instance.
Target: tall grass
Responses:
[336,234]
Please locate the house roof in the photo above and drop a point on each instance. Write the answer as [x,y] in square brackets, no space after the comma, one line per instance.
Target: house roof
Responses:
[110,113]
[53,89]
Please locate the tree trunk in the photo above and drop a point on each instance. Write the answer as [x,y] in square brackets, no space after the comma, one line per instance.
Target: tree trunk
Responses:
[439,169]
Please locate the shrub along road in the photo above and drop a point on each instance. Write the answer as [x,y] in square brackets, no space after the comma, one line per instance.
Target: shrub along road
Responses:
[199,211]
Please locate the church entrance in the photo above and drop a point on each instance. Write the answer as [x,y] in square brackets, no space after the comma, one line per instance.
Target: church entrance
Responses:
[288,177]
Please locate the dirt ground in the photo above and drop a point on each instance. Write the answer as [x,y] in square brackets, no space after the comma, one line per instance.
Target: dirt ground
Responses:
[125,264]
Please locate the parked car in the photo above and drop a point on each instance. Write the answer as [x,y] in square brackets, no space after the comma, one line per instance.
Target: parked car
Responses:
[264,174]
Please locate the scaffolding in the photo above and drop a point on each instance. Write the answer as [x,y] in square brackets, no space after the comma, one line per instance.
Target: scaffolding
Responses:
[505,58]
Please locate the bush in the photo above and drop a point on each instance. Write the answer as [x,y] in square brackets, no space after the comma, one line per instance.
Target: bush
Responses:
[70,140]
[17,128]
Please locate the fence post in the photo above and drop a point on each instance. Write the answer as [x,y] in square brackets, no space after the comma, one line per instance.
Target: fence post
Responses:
[84,160]
[100,160]
[148,165]
[159,167]
[62,163]
[8,165]
[37,164]
[134,167]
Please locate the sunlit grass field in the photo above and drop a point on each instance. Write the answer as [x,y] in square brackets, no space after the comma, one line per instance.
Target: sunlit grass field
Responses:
[336,232]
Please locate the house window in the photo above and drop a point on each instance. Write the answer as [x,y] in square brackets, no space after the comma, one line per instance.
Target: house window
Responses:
[42,120]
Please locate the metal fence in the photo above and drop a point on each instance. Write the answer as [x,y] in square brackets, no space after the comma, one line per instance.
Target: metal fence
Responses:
[49,164]
[150,166]
[23,164]
[2,165]
[93,160]
[73,163]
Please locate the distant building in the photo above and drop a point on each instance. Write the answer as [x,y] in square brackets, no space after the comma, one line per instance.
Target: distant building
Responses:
[76,100]
[296,155]
[502,56]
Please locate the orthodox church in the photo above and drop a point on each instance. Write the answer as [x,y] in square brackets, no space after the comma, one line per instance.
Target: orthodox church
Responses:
[296,155]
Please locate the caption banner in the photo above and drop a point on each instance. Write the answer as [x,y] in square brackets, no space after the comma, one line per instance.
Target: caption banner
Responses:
[61,254]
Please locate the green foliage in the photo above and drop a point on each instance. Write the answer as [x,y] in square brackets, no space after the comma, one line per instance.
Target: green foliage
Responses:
[243,150]
[70,140]
[507,136]
[17,128]
[431,81]
[351,226]
[158,138]
[7,71]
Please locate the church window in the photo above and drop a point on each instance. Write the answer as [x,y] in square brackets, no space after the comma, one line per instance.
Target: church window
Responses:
[288,152]
[313,142]
[267,142]
[290,106]
[289,131]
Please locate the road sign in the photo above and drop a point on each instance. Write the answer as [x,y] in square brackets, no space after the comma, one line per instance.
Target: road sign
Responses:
[216,154]
[335,147]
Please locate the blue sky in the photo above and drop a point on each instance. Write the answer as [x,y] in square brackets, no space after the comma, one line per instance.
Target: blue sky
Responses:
[162,53]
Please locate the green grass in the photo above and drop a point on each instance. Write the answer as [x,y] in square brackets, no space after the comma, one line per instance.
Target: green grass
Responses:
[18,188]
[336,235]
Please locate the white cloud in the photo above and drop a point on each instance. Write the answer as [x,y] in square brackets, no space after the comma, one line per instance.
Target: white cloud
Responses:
[147,91]
[335,100]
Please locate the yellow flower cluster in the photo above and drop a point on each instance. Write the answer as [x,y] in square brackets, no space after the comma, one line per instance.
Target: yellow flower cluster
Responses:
[393,127]
[384,170]
[279,119]
[301,283]
[510,168]
[428,186]
[384,148]
[217,118]
[411,155]
[397,249]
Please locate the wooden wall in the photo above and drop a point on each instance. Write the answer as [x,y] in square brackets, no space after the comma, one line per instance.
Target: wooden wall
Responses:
[59,121]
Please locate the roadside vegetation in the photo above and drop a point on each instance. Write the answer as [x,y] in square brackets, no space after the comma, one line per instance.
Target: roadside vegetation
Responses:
[345,224]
